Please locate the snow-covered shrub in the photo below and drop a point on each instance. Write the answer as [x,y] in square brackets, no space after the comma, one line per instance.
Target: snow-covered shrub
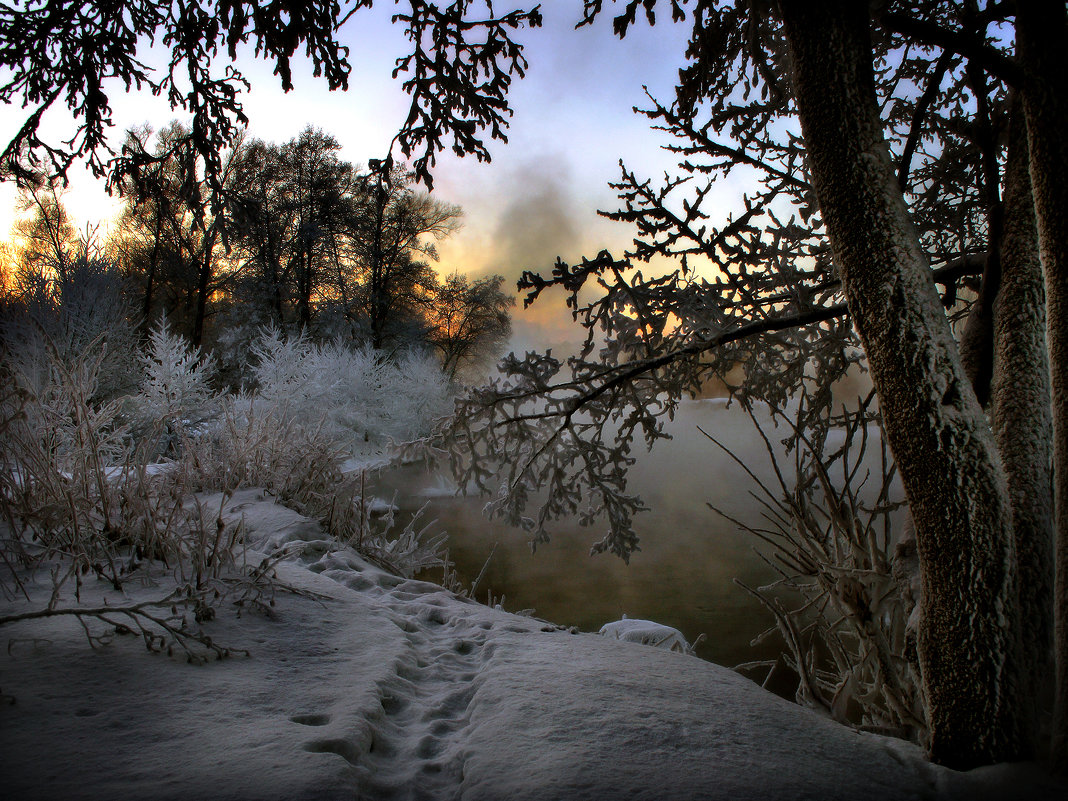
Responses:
[73,485]
[414,394]
[176,393]
[828,533]
[77,306]
[254,446]
[301,466]
[81,501]
[355,395]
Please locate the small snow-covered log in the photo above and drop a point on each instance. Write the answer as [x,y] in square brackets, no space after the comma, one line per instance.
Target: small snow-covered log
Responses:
[646,632]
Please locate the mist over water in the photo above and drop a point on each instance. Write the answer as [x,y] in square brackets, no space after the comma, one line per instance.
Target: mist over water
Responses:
[683,575]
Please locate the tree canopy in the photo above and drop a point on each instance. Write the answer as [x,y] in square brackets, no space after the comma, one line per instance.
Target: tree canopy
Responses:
[75,55]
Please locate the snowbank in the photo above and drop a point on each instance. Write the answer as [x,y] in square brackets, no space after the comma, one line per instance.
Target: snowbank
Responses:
[373,687]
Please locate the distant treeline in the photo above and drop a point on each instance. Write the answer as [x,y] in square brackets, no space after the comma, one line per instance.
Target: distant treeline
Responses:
[297,239]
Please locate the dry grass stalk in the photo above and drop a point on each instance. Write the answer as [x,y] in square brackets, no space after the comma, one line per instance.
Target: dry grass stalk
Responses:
[827,532]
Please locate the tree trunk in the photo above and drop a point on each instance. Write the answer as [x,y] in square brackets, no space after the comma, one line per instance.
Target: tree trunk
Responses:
[304,288]
[977,341]
[1042,41]
[271,262]
[151,277]
[203,284]
[1022,425]
[939,436]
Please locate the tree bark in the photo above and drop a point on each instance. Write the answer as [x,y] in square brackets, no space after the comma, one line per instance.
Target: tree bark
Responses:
[152,264]
[977,341]
[203,285]
[940,438]
[1022,424]
[1042,41]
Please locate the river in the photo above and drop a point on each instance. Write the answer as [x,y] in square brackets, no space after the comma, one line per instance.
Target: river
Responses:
[683,574]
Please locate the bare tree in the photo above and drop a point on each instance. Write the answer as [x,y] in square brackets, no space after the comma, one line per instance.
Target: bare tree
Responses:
[171,209]
[468,322]
[391,241]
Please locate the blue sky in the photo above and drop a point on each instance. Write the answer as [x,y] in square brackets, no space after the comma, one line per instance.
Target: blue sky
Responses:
[538,198]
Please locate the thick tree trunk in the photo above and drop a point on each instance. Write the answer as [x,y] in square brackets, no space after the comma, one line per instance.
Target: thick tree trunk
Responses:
[940,438]
[1022,426]
[1042,42]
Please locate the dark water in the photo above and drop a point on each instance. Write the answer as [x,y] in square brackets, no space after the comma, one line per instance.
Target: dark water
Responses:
[683,575]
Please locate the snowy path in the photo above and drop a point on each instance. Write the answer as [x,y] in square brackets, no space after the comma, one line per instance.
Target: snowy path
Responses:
[417,750]
[397,690]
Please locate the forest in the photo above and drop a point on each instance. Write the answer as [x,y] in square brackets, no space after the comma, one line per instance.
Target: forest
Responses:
[294,239]
[901,218]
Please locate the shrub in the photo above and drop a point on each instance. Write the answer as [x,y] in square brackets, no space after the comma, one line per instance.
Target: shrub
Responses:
[80,499]
[176,394]
[829,535]
[356,396]
[75,306]
[302,468]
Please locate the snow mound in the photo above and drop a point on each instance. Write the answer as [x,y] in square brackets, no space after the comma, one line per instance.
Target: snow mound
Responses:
[365,685]
[646,632]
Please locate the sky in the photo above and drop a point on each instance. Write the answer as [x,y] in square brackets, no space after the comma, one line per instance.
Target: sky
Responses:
[538,197]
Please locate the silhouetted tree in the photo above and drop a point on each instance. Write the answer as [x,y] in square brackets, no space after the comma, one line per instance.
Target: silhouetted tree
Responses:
[392,236]
[458,73]
[45,234]
[315,192]
[468,322]
[179,222]
[261,219]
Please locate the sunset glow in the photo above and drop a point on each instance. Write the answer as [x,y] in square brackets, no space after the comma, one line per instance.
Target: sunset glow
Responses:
[538,198]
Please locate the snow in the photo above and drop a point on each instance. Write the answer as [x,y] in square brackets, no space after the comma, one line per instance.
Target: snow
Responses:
[365,685]
[646,632]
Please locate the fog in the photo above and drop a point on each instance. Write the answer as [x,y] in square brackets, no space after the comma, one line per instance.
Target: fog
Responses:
[683,574]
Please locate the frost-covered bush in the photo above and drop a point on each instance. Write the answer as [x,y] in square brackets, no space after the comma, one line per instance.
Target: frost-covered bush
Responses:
[255,447]
[828,531]
[176,394]
[58,452]
[73,308]
[81,501]
[414,394]
[74,486]
[302,467]
[354,395]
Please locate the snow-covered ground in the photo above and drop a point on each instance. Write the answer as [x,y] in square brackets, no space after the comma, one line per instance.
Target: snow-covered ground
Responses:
[384,688]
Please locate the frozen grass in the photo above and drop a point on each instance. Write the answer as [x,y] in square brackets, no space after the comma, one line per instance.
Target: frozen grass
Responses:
[828,532]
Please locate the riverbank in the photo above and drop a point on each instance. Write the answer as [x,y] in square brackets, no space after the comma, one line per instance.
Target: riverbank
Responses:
[366,685]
